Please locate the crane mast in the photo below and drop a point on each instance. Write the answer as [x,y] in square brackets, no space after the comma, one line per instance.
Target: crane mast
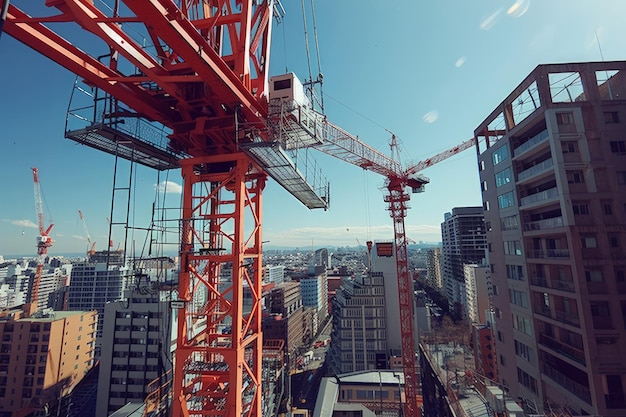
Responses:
[200,69]
[44,241]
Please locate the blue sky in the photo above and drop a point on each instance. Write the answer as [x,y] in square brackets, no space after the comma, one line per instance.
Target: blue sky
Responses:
[428,71]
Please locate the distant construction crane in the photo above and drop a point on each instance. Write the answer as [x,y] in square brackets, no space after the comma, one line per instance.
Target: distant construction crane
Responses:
[44,241]
[91,246]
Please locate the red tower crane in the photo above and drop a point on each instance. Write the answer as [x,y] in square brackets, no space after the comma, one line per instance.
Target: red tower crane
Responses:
[44,241]
[201,71]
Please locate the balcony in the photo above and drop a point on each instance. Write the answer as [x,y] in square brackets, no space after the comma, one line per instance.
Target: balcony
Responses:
[569,384]
[567,318]
[566,350]
[555,284]
[535,170]
[558,315]
[531,143]
[544,224]
[545,195]
[548,253]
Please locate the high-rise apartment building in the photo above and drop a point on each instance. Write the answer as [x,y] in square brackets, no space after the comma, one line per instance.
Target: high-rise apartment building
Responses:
[137,348]
[463,241]
[42,357]
[314,289]
[286,321]
[359,339]
[433,268]
[552,162]
[95,283]
[366,318]
[274,273]
[478,292]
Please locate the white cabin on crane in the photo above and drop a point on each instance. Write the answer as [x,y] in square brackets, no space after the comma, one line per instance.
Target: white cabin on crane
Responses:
[288,87]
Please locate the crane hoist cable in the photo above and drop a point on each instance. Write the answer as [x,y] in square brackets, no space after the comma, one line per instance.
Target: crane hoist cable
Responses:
[306,42]
[320,75]
[319,79]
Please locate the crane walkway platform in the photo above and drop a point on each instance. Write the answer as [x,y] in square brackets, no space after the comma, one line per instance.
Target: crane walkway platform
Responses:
[119,142]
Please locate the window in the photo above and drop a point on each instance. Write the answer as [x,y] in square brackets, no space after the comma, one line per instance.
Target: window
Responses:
[523,351]
[580,208]
[618,147]
[575,177]
[569,146]
[483,186]
[503,177]
[565,118]
[594,276]
[509,223]
[611,117]
[519,298]
[621,177]
[506,200]
[500,154]
[522,324]
[527,380]
[608,209]
[512,247]
[514,272]
[600,309]
[588,242]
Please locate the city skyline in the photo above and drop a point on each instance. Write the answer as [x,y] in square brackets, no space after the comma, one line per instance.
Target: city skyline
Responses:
[423,75]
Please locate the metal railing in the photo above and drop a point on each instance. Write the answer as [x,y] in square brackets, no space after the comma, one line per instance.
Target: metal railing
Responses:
[530,143]
[540,196]
[569,384]
[548,253]
[544,224]
[535,170]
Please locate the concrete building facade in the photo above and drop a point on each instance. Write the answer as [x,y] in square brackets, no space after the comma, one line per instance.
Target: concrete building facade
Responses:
[552,170]
[137,348]
[314,291]
[433,268]
[463,241]
[42,357]
[95,283]
[366,317]
[287,319]
[478,292]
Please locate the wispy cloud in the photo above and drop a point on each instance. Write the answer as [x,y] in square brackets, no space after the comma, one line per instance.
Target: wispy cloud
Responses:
[23,223]
[78,237]
[169,187]
[459,62]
